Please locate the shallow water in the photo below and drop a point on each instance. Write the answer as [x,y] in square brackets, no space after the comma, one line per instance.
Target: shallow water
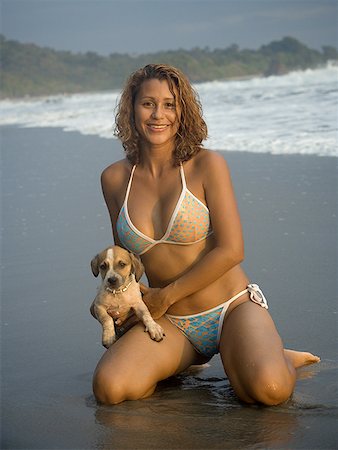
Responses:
[201,411]
[54,221]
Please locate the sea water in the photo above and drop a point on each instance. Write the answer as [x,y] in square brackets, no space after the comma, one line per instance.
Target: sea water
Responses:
[54,220]
[290,114]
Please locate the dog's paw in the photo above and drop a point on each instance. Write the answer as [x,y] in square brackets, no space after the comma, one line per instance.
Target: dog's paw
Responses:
[155,331]
[108,339]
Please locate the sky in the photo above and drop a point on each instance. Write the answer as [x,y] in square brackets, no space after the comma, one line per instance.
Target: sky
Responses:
[147,26]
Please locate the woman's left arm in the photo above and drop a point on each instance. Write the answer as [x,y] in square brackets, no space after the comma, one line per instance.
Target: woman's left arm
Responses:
[229,248]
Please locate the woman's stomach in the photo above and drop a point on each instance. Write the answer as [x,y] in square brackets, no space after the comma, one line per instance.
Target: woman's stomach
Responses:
[166,263]
[217,292]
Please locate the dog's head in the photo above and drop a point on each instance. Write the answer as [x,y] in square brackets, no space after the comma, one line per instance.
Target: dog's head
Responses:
[115,265]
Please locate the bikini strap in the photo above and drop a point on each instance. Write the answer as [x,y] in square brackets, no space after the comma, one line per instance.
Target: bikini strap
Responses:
[129,183]
[184,184]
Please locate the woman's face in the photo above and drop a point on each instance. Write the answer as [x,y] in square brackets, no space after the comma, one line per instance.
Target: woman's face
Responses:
[156,113]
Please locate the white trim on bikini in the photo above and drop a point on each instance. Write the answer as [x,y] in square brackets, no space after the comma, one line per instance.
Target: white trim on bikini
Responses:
[153,242]
[256,296]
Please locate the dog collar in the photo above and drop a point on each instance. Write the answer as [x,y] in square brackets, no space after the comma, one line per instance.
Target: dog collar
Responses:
[119,290]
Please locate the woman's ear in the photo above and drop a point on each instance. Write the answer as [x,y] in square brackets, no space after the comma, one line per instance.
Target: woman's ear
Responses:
[136,266]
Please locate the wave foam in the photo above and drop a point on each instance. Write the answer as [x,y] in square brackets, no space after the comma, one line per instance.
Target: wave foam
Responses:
[290,114]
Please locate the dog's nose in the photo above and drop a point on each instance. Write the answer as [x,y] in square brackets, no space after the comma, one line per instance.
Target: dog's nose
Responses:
[112,280]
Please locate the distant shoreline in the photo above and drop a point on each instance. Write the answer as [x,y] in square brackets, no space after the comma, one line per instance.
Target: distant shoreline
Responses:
[29,97]
[47,96]
[30,70]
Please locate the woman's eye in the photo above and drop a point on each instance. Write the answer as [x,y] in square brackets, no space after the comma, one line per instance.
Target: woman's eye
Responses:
[170,105]
[148,104]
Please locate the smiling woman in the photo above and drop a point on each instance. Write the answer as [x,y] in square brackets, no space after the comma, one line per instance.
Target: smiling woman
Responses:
[157,117]
[171,202]
[178,100]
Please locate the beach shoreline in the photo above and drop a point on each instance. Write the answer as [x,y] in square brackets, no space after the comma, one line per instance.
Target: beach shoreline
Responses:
[54,220]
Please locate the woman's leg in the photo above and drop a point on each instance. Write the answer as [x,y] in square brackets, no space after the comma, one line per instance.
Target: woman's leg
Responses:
[300,359]
[132,366]
[253,357]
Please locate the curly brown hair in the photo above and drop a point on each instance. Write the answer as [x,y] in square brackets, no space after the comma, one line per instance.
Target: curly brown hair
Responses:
[192,128]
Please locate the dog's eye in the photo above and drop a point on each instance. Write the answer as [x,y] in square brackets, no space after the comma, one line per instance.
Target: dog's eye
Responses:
[103,266]
[122,264]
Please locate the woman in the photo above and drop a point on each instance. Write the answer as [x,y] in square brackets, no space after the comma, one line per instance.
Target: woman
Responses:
[172,202]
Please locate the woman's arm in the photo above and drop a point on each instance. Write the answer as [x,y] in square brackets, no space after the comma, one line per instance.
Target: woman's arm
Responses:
[112,180]
[229,248]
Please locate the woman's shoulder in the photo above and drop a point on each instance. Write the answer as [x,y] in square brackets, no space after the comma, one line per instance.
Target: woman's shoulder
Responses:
[115,174]
[118,169]
[210,160]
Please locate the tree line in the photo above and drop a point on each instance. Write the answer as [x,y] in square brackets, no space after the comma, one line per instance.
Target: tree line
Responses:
[30,70]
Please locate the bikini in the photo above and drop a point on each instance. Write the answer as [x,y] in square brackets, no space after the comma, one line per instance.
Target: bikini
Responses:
[189,224]
[204,329]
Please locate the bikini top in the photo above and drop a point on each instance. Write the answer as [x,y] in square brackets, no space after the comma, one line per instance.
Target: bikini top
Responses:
[189,223]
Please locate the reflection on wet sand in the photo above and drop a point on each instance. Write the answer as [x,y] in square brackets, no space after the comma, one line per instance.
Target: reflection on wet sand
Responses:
[194,410]
[200,417]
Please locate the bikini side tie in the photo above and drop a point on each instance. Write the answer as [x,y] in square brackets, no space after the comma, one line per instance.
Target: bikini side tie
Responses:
[257,296]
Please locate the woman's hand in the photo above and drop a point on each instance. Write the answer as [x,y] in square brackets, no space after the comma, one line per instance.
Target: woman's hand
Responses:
[156,300]
[124,319]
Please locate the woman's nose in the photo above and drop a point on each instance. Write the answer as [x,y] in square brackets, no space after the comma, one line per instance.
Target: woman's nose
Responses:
[157,112]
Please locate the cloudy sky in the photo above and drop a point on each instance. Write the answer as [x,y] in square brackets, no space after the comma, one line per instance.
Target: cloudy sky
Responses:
[142,26]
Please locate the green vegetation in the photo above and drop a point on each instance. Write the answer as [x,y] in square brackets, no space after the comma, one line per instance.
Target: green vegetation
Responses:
[31,70]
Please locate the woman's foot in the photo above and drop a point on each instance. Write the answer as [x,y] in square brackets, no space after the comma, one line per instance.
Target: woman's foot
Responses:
[299,359]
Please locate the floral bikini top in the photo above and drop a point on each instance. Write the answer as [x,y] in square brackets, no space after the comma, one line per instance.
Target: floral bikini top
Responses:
[189,223]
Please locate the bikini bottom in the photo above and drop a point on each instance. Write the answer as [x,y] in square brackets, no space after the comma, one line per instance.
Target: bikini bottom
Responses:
[204,329]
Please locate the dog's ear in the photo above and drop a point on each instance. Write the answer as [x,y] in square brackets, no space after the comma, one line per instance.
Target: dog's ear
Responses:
[94,264]
[136,266]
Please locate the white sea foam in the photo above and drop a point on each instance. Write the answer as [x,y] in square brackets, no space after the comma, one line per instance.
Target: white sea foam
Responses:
[291,114]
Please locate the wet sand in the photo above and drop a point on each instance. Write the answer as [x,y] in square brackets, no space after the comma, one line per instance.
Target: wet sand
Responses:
[54,220]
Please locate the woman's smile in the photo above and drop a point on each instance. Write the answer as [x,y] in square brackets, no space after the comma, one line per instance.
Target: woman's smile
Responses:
[157,128]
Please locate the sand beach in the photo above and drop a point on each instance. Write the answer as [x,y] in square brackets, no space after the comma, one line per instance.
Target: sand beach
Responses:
[54,221]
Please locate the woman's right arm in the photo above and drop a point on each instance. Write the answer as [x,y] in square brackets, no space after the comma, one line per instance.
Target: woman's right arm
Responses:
[113,183]
[112,179]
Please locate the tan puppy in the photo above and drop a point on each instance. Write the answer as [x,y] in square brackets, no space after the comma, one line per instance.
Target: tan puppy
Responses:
[120,271]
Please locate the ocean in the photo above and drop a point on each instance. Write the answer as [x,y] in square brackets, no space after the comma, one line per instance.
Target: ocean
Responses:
[290,114]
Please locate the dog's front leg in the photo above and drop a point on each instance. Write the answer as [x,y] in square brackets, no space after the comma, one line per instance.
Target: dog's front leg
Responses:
[107,322]
[154,329]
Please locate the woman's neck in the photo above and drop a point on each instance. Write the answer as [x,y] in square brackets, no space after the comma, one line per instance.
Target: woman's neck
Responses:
[156,158]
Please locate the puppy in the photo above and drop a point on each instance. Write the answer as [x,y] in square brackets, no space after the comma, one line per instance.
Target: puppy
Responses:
[120,271]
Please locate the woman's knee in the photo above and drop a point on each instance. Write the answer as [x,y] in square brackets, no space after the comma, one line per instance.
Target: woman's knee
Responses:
[111,389]
[269,385]
[107,389]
